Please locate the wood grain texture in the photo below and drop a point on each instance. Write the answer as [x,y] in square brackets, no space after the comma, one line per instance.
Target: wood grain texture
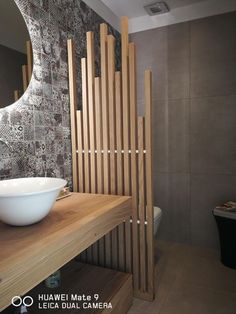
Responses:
[99,127]
[126,105]
[114,141]
[92,124]
[16,95]
[112,133]
[105,130]
[105,109]
[85,125]
[112,113]
[149,182]
[119,134]
[29,255]
[142,205]
[120,165]
[80,147]
[126,131]
[134,175]
[98,133]
[25,77]
[73,108]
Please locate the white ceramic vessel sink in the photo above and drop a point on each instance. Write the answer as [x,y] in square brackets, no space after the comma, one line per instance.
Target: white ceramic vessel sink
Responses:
[28,200]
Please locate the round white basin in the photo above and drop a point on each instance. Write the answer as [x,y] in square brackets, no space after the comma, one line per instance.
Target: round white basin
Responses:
[26,201]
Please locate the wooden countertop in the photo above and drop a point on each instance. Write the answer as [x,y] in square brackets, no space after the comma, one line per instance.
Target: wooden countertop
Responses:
[30,254]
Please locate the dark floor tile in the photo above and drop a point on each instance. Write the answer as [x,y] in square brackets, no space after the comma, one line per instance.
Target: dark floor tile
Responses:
[203,267]
[185,299]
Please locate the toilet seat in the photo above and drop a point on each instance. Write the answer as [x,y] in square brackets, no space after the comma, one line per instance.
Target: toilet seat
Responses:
[157,212]
[224,213]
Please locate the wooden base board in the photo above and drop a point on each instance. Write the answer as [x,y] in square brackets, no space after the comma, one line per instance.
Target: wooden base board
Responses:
[83,279]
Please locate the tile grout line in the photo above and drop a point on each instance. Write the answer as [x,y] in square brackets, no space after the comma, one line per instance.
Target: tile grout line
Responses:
[190,141]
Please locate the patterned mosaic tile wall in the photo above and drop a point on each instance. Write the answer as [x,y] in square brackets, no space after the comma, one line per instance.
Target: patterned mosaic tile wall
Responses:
[37,127]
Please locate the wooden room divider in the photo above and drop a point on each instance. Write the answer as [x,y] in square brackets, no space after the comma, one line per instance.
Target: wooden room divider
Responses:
[112,153]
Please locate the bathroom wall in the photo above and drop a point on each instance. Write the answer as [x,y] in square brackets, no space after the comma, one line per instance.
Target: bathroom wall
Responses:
[194,125]
[10,74]
[38,125]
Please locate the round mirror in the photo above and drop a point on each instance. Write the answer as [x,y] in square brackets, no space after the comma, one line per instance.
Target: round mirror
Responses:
[16,59]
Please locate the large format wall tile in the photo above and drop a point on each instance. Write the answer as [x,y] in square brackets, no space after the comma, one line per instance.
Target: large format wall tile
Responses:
[178,141]
[171,135]
[213,135]
[166,51]
[171,194]
[160,135]
[178,61]
[151,49]
[213,50]
[193,120]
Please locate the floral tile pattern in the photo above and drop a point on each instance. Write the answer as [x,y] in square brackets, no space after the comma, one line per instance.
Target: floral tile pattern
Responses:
[37,126]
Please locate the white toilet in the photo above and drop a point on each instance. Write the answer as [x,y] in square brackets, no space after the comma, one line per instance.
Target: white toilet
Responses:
[157,219]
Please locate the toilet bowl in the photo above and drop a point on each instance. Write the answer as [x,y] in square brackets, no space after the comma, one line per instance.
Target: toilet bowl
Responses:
[157,219]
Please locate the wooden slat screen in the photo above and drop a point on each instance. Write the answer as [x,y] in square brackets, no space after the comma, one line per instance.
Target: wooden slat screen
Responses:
[114,154]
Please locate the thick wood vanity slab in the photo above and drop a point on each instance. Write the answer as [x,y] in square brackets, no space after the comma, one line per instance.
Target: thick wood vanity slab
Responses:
[30,254]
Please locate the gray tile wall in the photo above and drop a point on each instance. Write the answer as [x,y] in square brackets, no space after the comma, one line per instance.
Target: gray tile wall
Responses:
[38,126]
[194,68]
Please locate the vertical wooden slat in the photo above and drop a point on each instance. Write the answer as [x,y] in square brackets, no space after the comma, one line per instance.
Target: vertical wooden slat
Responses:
[95,253]
[112,132]
[112,118]
[126,106]
[120,169]
[105,241]
[73,108]
[98,115]
[80,146]
[126,129]
[133,145]
[24,77]
[16,95]
[80,152]
[149,183]
[85,125]
[91,119]
[91,76]
[29,59]
[142,204]
[119,134]
[105,138]
[105,111]
[100,188]
[83,257]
